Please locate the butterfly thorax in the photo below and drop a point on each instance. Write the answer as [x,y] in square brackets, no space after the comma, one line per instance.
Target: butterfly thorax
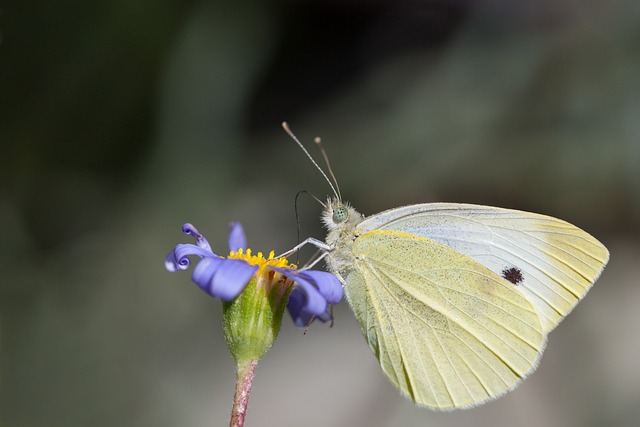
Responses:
[341,220]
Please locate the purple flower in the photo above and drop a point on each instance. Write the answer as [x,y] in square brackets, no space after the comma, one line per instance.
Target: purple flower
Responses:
[225,277]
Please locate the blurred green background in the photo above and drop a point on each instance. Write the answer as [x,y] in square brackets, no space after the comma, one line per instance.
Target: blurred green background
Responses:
[121,120]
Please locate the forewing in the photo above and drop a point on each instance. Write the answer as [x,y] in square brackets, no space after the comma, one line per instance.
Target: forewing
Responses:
[551,261]
[446,330]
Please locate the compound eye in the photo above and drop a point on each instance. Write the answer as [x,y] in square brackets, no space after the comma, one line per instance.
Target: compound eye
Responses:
[340,214]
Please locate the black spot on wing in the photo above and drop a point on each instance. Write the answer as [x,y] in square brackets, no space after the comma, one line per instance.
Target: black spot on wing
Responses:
[513,274]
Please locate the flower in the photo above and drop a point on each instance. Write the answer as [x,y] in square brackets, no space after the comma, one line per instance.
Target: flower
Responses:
[309,292]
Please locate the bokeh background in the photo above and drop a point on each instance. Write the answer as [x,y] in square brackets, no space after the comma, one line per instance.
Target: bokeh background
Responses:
[120,120]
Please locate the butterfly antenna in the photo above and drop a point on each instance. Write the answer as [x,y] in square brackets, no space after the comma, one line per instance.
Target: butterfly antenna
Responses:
[318,142]
[285,126]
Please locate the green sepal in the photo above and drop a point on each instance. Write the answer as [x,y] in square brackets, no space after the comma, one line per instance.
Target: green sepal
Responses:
[252,320]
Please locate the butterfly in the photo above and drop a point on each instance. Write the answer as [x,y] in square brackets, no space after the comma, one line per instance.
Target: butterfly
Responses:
[456,300]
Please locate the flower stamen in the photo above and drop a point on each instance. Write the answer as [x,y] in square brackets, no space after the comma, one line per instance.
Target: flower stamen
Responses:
[260,261]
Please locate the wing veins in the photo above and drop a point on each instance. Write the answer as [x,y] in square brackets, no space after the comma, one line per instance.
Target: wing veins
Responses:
[534,267]
[374,273]
[478,355]
[498,337]
[440,286]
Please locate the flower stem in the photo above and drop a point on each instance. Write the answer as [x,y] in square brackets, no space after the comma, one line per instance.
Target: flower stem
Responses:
[244,379]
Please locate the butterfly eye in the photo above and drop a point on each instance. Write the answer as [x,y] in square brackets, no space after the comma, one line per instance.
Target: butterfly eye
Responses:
[340,214]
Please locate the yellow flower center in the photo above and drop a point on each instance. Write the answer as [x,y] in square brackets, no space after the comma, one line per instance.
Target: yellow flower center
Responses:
[260,260]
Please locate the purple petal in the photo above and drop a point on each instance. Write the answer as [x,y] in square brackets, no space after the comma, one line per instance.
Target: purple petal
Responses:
[200,240]
[328,285]
[315,303]
[237,238]
[230,278]
[204,271]
[295,305]
[178,259]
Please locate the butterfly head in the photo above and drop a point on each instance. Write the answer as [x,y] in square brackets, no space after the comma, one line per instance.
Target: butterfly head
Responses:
[340,214]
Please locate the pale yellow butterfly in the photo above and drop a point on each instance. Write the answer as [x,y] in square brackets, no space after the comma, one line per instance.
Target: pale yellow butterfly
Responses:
[456,300]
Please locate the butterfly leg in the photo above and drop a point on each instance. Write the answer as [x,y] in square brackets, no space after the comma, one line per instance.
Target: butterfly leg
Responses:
[319,255]
[309,241]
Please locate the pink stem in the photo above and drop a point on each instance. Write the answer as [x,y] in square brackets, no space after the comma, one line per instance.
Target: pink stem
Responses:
[244,379]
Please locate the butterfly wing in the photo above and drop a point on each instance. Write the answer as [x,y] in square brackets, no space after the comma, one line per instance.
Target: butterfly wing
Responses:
[551,261]
[447,331]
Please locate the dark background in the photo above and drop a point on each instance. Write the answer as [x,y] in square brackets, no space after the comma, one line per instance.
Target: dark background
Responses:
[121,120]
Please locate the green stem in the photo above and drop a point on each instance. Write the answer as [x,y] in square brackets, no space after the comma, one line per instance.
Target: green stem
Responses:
[244,379]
